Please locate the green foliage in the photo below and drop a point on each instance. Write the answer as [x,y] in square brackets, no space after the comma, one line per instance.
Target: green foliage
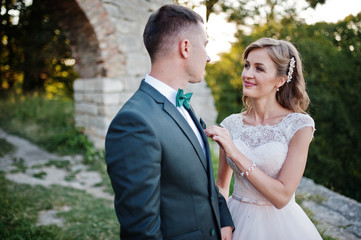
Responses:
[47,122]
[300,198]
[61,164]
[50,124]
[224,80]
[34,52]
[5,147]
[40,175]
[313,3]
[19,165]
[20,205]
[334,73]
[332,69]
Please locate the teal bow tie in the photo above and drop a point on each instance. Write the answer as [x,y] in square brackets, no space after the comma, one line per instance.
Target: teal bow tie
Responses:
[183,99]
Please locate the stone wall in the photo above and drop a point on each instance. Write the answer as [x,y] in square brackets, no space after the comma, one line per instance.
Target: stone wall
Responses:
[107,44]
[335,215]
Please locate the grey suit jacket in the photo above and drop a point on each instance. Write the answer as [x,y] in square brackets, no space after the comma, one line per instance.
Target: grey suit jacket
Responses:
[163,183]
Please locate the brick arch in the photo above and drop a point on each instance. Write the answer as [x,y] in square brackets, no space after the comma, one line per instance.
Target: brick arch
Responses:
[90,31]
[106,41]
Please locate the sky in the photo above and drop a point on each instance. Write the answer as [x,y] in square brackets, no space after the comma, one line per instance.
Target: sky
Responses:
[220,32]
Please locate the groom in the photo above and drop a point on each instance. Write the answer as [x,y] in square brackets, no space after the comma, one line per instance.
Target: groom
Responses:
[157,155]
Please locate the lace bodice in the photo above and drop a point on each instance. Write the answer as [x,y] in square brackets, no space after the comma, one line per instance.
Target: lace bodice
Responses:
[266,145]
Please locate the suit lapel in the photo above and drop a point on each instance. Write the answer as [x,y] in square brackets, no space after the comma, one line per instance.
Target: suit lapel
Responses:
[173,112]
[208,153]
[211,183]
[201,131]
[187,130]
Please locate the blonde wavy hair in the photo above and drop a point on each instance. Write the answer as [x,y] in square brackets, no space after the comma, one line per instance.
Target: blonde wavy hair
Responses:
[292,95]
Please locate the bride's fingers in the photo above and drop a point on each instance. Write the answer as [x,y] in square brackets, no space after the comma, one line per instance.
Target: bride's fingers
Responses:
[210,132]
[219,135]
[215,130]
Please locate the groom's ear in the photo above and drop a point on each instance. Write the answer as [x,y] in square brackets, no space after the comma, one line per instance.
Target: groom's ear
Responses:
[184,47]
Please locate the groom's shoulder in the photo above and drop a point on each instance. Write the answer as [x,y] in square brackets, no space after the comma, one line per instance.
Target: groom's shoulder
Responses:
[138,105]
[140,100]
[132,112]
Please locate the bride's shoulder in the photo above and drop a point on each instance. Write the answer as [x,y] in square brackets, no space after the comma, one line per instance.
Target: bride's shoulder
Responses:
[231,119]
[299,117]
[296,121]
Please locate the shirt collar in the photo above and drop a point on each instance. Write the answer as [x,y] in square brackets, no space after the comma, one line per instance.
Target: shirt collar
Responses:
[163,88]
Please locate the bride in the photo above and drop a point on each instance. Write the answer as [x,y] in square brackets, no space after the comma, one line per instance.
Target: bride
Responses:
[266,146]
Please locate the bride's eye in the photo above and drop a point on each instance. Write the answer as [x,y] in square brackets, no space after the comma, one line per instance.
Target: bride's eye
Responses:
[260,69]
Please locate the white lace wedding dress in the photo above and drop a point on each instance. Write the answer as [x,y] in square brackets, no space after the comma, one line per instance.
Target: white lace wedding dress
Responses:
[255,218]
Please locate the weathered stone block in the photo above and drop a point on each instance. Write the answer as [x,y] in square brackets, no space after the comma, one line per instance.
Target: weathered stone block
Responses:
[137,63]
[112,99]
[86,108]
[129,43]
[112,85]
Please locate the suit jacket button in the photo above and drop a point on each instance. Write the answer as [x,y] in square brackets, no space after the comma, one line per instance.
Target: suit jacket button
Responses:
[213,232]
[212,198]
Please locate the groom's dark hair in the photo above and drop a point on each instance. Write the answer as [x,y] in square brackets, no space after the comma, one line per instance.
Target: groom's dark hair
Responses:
[164,25]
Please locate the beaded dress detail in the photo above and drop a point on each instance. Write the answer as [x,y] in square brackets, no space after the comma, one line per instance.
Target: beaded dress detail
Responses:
[267,146]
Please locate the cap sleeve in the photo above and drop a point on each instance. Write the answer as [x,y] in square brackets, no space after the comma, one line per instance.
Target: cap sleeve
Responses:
[299,121]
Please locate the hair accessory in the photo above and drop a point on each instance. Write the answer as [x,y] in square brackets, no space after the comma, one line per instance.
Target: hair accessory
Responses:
[250,169]
[290,69]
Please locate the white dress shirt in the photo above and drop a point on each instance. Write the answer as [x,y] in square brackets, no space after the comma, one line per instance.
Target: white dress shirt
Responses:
[171,94]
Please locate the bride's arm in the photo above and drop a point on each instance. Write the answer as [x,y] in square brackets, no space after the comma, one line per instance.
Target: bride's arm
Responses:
[278,191]
[224,174]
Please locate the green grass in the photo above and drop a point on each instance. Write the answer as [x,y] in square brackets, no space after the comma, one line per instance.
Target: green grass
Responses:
[48,123]
[19,165]
[88,218]
[6,147]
